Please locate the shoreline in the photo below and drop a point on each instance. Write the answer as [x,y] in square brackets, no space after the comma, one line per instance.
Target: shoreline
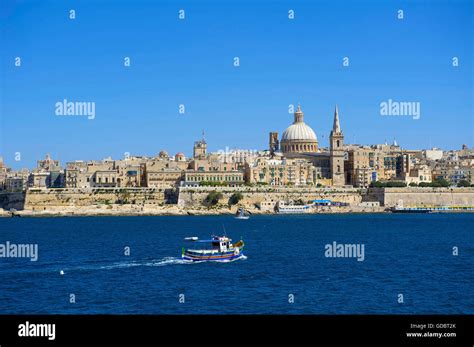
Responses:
[168,213]
[255,200]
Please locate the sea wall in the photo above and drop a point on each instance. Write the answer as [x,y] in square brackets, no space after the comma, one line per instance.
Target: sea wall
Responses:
[12,200]
[416,196]
[189,200]
[52,199]
[194,196]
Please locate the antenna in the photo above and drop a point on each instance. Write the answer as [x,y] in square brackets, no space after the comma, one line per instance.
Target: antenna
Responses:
[223,227]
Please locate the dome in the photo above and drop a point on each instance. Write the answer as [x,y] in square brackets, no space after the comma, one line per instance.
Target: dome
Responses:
[179,157]
[299,137]
[298,131]
[163,154]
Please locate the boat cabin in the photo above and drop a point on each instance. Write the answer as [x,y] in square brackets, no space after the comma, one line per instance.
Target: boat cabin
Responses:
[222,244]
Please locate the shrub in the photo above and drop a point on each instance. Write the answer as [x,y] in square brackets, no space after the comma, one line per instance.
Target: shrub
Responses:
[235,198]
[212,199]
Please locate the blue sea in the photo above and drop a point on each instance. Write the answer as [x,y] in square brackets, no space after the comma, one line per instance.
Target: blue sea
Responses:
[285,271]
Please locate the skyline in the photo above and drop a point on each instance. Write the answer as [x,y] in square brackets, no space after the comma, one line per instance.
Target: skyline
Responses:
[190,62]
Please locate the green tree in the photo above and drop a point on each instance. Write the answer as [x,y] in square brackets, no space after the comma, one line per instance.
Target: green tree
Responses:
[212,199]
[235,198]
[463,183]
[396,184]
[440,182]
[376,184]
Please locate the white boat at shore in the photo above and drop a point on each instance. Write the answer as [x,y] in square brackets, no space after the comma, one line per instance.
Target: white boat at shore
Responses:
[284,208]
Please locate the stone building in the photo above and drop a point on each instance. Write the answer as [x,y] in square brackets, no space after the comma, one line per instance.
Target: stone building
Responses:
[418,174]
[200,149]
[299,141]
[3,174]
[280,171]
[231,178]
[76,175]
[38,180]
[16,181]
[48,164]
[104,179]
[163,173]
[274,143]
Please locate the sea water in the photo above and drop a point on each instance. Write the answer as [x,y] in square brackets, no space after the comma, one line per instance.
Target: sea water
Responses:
[412,264]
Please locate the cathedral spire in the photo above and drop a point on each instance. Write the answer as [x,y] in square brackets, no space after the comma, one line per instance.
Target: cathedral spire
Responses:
[336,127]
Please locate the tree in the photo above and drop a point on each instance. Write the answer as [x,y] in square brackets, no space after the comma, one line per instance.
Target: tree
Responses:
[463,183]
[389,184]
[396,184]
[235,198]
[376,184]
[440,182]
[212,199]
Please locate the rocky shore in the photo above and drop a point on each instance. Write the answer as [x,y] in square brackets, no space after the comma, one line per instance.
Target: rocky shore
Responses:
[167,210]
[192,200]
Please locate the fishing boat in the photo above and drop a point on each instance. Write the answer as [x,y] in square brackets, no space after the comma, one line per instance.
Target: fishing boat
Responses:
[220,249]
[241,214]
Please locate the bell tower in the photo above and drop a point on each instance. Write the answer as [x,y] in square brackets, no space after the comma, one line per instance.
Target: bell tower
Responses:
[337,152]
[200,148]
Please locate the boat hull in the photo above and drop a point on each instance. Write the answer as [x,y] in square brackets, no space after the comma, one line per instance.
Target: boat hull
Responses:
[411,211]
[221,256]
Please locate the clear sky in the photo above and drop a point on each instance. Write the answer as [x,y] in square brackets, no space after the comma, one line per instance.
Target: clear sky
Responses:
[191,62]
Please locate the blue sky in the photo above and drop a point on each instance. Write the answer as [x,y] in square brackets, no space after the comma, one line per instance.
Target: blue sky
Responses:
[190,62]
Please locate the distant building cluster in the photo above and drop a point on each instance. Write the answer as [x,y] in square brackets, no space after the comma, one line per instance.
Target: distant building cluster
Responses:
[294,160]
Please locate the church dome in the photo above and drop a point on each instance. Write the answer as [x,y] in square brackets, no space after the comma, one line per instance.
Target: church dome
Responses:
[298,131]
[299,137]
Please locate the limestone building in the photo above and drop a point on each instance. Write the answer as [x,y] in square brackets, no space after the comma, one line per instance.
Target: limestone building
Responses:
[200,149]
[299,141]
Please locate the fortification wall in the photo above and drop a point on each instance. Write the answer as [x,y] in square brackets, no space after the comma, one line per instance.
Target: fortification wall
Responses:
[416,196]
[12,200]
[194,196]
[44,199]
